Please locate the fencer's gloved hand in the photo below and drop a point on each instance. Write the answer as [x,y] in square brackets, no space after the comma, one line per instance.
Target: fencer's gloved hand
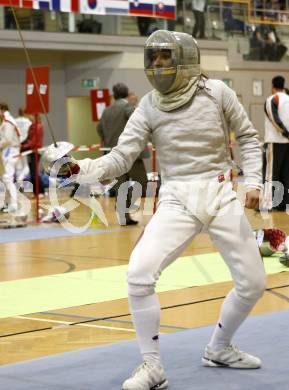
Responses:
[58,162]
[67,168]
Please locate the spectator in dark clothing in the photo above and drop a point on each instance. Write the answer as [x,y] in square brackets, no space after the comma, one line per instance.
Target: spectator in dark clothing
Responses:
[232,24]
[257,46]
[274,49]
[33,143]
[198,8]
[276,144]
[110,128]
[143,24]
[265,44]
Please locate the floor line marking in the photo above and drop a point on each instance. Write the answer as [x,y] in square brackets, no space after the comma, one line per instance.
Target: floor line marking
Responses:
[66,323]
[108,320]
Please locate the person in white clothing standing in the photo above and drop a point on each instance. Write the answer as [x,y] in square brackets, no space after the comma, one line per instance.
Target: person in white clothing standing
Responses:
[198,8]
[276,145]
[9,144]
[23,124]
[187,117]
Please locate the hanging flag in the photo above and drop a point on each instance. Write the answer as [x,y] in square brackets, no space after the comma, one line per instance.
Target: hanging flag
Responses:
[67,5]
[55,5]
[43,4]
[145,8]
[92,7]
[116,7]
[92,4]
[27,3]
[165,9]
[151,8]
[7,3]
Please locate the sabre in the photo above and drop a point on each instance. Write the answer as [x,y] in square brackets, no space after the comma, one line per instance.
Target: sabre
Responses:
[60,149]
[29,63]
[57,150]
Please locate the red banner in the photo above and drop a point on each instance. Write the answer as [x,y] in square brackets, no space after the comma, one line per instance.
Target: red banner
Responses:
[37,91]
[12,3]
[100,99]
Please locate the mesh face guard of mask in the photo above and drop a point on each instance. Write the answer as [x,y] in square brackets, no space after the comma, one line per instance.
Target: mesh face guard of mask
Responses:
[168,54]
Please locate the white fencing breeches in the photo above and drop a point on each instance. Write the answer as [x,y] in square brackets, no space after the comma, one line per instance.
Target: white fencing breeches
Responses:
[165,237]
[9,165]
[169,232]
[22,168]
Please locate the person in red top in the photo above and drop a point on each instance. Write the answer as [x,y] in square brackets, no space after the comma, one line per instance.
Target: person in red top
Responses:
[33,142]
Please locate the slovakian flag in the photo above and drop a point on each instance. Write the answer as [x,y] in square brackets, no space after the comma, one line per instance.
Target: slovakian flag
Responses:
[145,8]
[165,9]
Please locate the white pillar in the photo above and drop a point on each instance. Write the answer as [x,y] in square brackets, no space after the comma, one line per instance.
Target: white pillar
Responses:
[71,22]
[2,18]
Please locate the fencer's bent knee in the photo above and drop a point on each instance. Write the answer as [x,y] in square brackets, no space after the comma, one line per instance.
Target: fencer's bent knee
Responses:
[258,288]
[139,290]
[141,275]
[140,281]
[253,288]
[7,178]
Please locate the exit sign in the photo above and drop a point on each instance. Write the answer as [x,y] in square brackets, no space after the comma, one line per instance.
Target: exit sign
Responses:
[90,83]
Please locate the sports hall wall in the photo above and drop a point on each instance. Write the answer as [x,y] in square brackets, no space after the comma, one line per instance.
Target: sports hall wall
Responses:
[121,63]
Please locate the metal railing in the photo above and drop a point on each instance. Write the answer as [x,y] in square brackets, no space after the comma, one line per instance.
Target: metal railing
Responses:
[222,19]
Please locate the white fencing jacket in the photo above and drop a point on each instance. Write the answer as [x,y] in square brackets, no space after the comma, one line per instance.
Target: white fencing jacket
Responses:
[191,142]
[9,132]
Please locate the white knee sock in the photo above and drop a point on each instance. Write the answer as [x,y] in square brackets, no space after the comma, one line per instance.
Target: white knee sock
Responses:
[11,187]
[145,312]
[234,311]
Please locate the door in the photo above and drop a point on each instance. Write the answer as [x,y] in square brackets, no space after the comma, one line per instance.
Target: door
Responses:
[81,128]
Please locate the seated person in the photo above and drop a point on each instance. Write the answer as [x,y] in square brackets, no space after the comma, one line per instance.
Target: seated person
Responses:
[274,48]
[232,24]
[265,44]
[257,46]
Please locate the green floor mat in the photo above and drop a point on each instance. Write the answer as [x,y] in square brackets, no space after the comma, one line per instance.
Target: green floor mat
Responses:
[26,296]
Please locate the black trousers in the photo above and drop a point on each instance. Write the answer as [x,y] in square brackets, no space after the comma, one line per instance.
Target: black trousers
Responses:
[199,27]
[279,172]
[143,24]
[32,167]
[124,192]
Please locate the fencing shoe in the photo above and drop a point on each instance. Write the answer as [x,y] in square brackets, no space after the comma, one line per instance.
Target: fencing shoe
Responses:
[146,377]
[230,357]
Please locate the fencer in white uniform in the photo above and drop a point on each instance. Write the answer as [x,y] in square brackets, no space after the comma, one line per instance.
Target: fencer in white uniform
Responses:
[187,117]
[23,124]
[9,144]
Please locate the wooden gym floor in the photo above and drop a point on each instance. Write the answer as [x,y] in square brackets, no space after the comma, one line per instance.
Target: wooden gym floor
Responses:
[35,335]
